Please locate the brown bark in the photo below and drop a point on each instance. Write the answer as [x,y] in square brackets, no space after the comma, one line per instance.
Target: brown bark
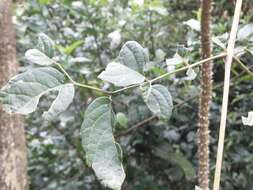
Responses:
[205,96]
[12,136]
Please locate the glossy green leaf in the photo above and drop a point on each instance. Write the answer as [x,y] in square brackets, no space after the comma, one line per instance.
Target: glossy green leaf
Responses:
[99,144]
[63,100]
[22,93]
[46,45]
[120,75]
[134,56]
[248,120]
[37,57]
[158,100]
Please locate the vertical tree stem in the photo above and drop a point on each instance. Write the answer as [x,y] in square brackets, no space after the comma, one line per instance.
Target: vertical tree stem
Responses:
[205,96]
[12,134]
[230,51]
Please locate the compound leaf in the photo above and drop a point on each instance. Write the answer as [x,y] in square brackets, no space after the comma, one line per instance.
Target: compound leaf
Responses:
[158,100]
[120,75]
[98,142]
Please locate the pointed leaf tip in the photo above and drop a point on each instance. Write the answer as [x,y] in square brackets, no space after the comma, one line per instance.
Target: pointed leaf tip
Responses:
[46,45]
[37,57]
[99,144]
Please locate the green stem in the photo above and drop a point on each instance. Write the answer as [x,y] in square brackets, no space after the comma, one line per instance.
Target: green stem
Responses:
[127,87]
[237,59]
[190,66]
[242,65]
[170,73]
[79,84]
[137,85]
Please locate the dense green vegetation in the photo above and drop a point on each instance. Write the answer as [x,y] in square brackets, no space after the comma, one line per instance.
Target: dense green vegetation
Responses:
[157,154]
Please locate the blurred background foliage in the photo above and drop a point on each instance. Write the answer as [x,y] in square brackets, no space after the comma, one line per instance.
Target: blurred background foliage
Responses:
[157,155]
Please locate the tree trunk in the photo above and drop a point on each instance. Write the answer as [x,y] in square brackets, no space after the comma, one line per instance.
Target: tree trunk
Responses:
[205,97]
[12,136]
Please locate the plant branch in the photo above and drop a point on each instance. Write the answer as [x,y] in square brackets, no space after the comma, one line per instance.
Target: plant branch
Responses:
[236,59]
[173,72]
[148,119]
[230,50]
[79,84]
[134,127]
[190,66]
[243,66]
[223,54]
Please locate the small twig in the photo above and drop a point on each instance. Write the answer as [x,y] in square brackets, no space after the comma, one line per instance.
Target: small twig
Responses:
[147,120]
[137,85]
[192,65]
[173,72]
[79,84]
[230,53]
[136,126]
[243,66]
[237,59]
